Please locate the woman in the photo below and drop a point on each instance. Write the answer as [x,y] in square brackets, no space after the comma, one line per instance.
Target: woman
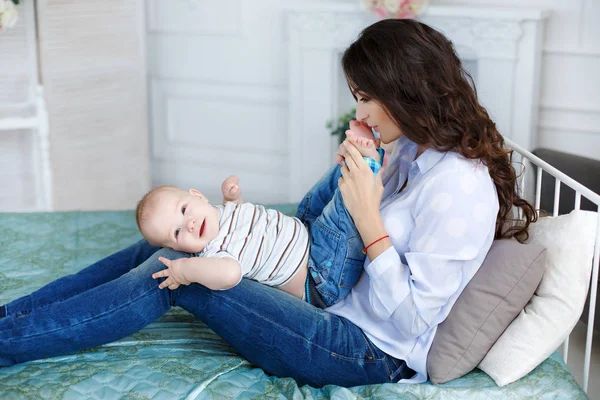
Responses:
[428,222]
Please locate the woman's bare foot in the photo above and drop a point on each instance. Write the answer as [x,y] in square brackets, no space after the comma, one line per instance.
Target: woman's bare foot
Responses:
[362,137]
[231,190]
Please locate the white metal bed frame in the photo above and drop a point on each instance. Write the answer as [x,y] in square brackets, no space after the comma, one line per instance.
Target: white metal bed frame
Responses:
[527,158]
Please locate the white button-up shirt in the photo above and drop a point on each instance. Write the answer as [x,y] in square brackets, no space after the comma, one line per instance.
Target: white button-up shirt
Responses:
[441,226]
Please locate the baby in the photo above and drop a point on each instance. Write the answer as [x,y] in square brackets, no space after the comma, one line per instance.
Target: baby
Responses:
[231,241]
[243,240]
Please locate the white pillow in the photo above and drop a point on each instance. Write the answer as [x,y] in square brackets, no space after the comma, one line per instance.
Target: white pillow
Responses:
[557,303]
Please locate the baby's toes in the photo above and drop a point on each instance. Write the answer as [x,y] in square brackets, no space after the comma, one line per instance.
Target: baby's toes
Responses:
[366,143]
[233,180]
[351,136]
[354,124]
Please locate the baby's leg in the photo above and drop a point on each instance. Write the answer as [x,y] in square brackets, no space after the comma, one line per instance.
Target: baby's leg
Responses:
[318,197]
[231,190]
[336,259]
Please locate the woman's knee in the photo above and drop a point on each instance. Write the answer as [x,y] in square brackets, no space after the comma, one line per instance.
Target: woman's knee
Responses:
[152,264]
[146,249]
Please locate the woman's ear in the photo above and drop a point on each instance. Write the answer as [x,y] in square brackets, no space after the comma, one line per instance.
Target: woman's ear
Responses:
[194,192]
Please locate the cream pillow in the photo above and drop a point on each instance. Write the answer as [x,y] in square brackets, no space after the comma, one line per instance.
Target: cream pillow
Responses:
[557,303]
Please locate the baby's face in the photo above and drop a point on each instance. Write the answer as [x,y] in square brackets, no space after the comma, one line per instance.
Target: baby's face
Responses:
[181,220]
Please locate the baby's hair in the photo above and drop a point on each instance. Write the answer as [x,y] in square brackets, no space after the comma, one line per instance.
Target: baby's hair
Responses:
[145,204]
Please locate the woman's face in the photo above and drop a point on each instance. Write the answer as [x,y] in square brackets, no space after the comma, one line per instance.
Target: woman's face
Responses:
[374,115]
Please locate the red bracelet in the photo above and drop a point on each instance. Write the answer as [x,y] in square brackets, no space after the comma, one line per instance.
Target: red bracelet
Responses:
[372,243]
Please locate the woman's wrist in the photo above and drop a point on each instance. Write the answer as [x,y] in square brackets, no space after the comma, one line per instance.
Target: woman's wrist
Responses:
[371,229]
[377,248]
[369,225]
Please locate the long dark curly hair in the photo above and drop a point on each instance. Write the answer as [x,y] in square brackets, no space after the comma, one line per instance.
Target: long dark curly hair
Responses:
[414,73]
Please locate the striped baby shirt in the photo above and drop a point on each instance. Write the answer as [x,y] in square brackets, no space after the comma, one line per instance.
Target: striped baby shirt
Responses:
[270,247]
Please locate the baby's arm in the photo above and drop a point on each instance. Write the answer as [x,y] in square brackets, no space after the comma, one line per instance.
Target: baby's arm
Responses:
[212,272]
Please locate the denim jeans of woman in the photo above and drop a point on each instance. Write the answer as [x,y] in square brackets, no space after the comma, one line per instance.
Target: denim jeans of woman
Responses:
[117,296]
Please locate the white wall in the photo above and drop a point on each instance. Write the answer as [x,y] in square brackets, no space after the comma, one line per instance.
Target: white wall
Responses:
[569,117]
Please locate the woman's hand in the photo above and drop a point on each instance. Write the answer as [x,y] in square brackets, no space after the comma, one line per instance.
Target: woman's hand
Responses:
[173,273]
[360,189]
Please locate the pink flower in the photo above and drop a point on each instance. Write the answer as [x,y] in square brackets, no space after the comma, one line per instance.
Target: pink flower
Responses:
[394,8]
[380,12]
[405,14]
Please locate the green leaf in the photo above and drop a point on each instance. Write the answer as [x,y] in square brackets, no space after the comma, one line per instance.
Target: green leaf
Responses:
[341,125]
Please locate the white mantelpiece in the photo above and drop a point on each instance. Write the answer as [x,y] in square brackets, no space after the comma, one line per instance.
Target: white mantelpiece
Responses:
[501,47]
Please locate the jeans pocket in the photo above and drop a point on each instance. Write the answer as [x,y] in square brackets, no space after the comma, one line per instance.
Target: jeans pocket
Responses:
[352,264]
[324,246]
[355,248]
[369,350]
[350,273]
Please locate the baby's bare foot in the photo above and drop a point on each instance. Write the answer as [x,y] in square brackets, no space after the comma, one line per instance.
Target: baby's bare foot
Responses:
[362,137]
[231,190]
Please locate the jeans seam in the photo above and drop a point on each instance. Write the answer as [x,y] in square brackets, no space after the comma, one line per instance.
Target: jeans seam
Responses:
[29,311]
[349,254]
[328,229]
[294,333]
[82,322]
[384,359]
[304,212]
[368,343]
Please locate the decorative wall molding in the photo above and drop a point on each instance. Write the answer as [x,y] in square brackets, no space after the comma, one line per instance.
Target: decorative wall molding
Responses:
[253,111]
[238,159]
[571,52]
[195,17]
[570,119]
[486,38]
[314,28]
[264,187]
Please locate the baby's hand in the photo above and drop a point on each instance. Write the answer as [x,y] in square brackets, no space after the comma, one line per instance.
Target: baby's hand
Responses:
[231,190]
[174,273]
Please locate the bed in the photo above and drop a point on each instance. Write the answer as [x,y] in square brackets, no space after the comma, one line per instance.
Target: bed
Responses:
[177,356]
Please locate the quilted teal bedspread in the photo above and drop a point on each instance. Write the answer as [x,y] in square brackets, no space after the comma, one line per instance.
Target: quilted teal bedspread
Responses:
[178,357]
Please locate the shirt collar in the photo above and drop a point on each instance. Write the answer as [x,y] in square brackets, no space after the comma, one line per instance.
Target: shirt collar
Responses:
[426,161]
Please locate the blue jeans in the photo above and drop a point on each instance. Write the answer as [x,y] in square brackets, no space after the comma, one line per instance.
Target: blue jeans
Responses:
[336,257]
[117,296]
